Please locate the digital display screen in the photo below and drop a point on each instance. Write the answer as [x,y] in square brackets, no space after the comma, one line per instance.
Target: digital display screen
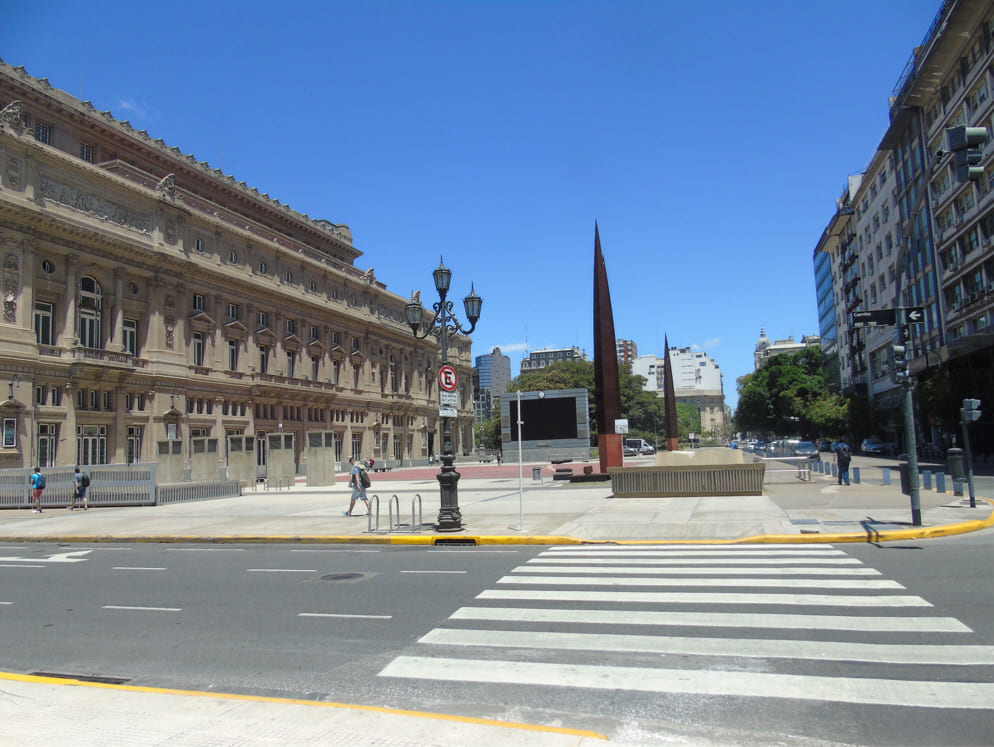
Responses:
[544,419]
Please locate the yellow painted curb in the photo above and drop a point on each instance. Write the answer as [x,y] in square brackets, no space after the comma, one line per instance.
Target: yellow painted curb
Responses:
[14,677]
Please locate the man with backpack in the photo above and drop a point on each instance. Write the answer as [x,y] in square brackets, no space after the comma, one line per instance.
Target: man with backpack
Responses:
[37,488]
[359,481]
[80,482]
[842,458]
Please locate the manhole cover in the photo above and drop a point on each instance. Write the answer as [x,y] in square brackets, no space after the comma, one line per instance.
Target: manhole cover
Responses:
[341,577]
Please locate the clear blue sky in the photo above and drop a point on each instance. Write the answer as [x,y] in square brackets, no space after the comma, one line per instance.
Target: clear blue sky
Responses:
[709,139]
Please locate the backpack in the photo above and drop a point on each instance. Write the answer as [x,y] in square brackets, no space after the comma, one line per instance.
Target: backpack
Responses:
[364,478]
[40,480]
[844,453]
[85,482]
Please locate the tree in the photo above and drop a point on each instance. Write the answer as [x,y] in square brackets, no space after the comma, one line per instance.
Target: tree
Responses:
[488,433]
[781,396]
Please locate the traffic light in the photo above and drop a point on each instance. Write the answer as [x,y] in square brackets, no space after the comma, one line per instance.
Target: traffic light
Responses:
[971,410]
[966,143]
[898,363]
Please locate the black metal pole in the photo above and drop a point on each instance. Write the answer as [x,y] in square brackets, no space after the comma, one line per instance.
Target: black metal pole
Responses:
[968,458]
[449,515]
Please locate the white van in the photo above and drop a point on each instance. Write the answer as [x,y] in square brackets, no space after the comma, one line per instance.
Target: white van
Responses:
[640,446]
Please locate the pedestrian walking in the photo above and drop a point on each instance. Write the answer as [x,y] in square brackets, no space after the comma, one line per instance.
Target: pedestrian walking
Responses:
[500,458]
[358,481]
[80,482]
[842,459]
[37,488]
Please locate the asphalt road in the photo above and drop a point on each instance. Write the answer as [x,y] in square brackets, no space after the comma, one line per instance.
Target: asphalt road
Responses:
[800,644]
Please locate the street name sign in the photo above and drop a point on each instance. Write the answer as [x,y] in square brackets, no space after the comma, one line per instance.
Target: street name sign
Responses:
[875,318]
[888,317]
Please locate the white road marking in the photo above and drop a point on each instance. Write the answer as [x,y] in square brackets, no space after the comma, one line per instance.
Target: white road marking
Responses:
[659,597]
[205,549]
[597,549]
[685,570]
[761,648]
[59,557]
[339,551]
[330,614]
[904,693]
[136,568]
[281,570]
[715,619]
[684,562]
[433,571]
[693,552]
[142,609]
[792,583]
[22,565]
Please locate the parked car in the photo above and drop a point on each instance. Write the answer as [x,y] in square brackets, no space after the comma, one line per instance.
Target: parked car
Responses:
[629,451]
[759,447]
[876,446]
[807,449]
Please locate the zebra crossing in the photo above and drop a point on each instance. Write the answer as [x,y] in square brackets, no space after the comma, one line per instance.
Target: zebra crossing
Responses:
[687,619]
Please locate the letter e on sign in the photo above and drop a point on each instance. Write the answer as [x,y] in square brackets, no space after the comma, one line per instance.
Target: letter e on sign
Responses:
[447,378]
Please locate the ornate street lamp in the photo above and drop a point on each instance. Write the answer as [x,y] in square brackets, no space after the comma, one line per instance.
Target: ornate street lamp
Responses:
[443,324]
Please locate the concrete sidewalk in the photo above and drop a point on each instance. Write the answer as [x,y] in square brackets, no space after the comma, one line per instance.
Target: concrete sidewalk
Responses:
[496,508]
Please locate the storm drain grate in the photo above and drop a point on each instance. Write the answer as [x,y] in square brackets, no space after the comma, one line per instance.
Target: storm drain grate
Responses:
[454,541]
[83,677]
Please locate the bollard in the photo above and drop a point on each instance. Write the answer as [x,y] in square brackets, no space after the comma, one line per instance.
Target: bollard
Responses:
[957,488]
[835,470]
[537,473]
[855,475]
[886,473]
[926,479]
[940,482]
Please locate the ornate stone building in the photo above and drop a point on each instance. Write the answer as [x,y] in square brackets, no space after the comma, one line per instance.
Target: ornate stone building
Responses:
[152,302]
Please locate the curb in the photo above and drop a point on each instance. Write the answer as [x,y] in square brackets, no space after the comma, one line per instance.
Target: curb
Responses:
[944,530]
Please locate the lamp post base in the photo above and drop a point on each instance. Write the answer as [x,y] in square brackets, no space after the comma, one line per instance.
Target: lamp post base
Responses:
[449,515]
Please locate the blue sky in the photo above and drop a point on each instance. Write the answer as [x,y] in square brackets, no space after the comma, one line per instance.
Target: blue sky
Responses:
[709,140]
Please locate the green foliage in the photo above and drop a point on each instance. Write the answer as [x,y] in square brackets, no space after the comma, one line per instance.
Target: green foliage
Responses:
[786,397]
[488,433]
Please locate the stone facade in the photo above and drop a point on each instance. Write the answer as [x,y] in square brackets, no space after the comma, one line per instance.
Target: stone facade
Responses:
[150,299]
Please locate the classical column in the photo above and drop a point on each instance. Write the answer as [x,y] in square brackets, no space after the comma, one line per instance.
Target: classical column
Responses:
[68,337]
[117,335]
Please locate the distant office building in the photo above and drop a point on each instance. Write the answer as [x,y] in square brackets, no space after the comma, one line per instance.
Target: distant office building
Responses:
[697,379]
[766,349]
[628,351]
[542,358]
[491,376]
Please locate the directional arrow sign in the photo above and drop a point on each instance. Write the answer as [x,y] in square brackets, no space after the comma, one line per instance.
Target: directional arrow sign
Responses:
[914,314]
[874,318]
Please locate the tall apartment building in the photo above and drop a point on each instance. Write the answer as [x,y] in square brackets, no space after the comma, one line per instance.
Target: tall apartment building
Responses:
[491,376]
[697,379]
[541,358]
[628,351]
[907,232]
[151,300]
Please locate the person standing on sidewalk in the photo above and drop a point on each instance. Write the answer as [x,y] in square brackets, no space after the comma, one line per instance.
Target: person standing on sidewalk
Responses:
[37,488]
[842,459]
[358,481]
[80,482]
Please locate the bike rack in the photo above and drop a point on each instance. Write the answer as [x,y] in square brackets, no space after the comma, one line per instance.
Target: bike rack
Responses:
[369,517]
[394,500]
[415,501]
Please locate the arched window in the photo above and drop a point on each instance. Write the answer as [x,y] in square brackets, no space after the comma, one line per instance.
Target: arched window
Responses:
[90,305]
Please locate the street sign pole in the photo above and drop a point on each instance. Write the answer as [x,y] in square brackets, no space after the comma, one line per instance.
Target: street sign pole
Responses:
[968,457]
[911,441]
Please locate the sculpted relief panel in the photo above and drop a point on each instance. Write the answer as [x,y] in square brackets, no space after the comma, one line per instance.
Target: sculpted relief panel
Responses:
[95,205]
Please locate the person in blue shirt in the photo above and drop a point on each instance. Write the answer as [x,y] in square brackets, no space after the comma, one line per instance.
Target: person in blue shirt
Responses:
[37,488]
[358,487]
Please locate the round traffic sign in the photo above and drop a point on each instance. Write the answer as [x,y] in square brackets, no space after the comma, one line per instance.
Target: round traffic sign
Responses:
[447,378]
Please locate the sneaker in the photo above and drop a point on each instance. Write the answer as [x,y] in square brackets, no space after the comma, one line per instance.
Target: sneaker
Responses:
[36,510]
[71,508]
